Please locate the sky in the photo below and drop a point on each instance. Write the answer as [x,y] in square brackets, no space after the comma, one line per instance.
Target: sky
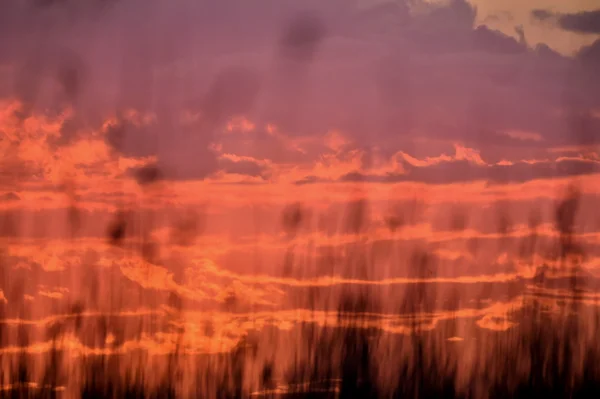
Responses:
[240,154]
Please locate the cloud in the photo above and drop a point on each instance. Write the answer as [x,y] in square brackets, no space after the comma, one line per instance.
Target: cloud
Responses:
[243,167]
[146,174]
[425,72]
[590,54]
[542,15]
[581,22]
[585,22]
[466,164]
[463,171]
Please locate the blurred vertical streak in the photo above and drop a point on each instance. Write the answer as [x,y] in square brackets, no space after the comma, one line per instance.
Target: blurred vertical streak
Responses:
[298,46]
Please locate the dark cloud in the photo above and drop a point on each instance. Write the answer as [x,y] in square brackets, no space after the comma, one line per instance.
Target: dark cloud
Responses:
[464,171]
[584,128]
[580,22]
[232,93]
[182,151]
[146,175]
[542,15]
[485,39]
[545,52]
[500,16]
[302,37]
[381,74]
[309,180]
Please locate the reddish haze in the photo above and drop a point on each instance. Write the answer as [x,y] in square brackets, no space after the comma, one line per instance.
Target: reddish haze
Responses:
[184,177]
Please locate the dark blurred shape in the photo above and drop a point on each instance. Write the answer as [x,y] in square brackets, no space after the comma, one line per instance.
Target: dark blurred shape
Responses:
[16,290]
[148,174]
[27,85]
[301,39]
[175,302]
[394,220]
[77,310]
[73,212]
[401,213]
[70,76]
[9,225]
[292,218]
[420,297]
[209,328]
[356,217]
[503,223]
[116,230]
[581,22]
[74,219]
[232,93]
[473,245]
[585,127]
[288,262]
[458,220]
[565,221]
[150,251]
[358,368]
[231,300]
[566,211]
[395,217]
[69,3]
[115,133]
[528,245]
[267,375]
[187,228]
[48,3]
[54,330]
[542,15]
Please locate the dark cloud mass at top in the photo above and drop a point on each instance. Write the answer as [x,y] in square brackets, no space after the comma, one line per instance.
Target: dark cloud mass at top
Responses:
[582,22]
[587,22]
[382,74]
[542,15]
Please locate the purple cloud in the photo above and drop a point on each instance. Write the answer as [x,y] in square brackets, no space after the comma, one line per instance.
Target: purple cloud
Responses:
[384,75]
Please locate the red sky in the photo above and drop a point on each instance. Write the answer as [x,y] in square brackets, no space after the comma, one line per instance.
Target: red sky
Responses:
[204,122]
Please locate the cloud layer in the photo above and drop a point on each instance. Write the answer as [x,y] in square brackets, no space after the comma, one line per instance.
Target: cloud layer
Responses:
[411,76]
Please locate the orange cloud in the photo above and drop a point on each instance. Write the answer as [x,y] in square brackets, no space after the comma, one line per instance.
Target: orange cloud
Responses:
[461,153]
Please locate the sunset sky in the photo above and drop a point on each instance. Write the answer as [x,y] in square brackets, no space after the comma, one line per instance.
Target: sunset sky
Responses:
[203,122]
